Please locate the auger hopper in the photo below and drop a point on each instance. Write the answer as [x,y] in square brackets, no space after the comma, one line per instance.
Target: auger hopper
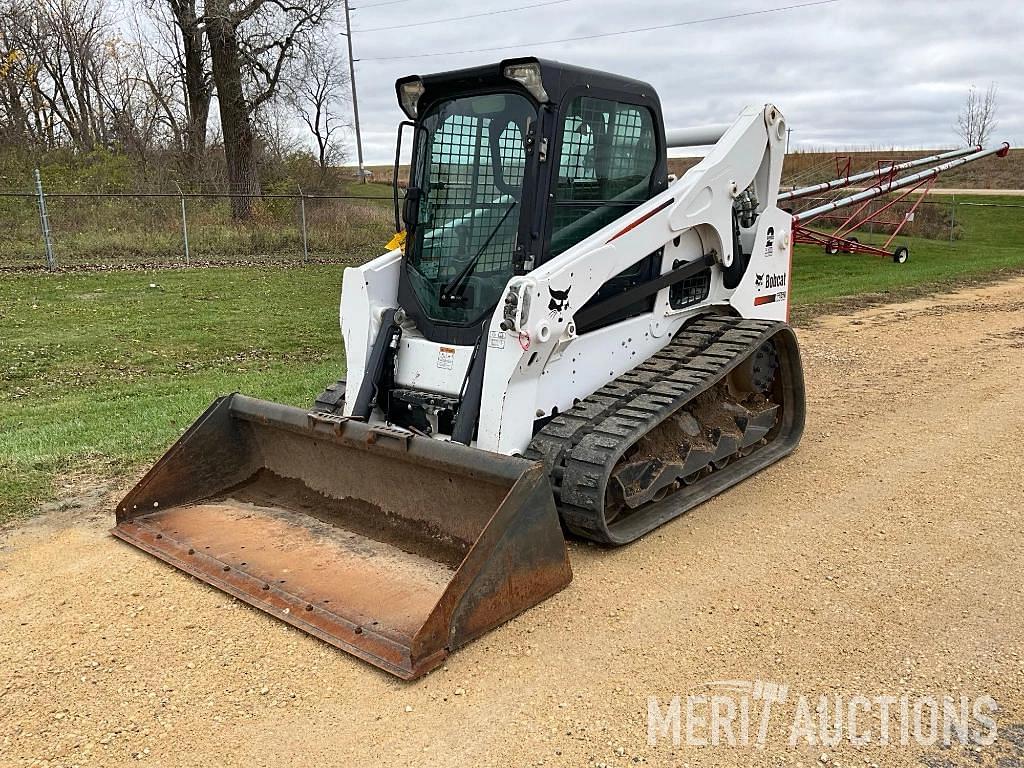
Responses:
[393,547]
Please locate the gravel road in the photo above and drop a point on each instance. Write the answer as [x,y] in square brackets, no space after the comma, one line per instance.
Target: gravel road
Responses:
[883,558]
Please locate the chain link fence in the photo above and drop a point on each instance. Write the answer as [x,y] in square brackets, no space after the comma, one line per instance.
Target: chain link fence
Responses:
[46,229]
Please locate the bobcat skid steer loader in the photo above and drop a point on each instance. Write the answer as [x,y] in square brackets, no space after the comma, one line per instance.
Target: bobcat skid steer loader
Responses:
[564,338]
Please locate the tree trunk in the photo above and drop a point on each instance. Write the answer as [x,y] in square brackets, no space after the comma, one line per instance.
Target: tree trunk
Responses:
[197,86]
[18,130]
[198,94]
[236,122]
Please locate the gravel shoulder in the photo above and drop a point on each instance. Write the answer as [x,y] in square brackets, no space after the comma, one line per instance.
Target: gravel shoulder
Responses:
[883,557]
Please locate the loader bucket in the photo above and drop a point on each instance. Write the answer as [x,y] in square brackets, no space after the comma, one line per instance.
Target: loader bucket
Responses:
[394,547]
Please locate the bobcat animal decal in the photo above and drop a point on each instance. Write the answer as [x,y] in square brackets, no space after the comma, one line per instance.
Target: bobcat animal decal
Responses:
[559,301]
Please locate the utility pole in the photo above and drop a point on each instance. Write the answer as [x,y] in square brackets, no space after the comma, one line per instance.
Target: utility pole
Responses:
[355,102]
[788,132]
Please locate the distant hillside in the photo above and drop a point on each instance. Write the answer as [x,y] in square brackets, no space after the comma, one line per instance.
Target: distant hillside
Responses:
[805,168]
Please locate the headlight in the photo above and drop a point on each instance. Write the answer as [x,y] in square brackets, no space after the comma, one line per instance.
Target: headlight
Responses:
[409,93]
[529,75]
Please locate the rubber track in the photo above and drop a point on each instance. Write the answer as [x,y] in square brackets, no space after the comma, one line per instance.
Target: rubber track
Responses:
[581,447]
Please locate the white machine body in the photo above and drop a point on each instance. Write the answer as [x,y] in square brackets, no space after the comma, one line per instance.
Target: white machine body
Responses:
[540,365]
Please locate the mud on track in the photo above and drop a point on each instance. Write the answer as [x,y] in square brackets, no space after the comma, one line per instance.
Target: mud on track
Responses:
[883,557]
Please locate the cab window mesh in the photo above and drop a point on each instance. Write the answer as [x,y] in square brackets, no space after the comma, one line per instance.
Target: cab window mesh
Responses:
[466,200]
[470,167]
[608,155]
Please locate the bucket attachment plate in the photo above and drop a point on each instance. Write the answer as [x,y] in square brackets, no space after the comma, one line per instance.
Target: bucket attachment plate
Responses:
[394,547]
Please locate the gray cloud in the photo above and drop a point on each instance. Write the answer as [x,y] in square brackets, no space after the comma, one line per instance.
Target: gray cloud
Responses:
[853,73]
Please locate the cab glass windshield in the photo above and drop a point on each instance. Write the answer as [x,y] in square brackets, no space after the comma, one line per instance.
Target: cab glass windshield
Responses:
[469,169]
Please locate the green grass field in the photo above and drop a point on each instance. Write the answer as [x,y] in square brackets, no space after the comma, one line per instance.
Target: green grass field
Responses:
[992,241]
[99,372]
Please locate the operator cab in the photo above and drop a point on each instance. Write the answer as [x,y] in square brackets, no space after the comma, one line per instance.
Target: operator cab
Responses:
[512,164]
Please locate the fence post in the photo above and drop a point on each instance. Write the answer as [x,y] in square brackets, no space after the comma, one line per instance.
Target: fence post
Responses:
[302,212]
[184,222]
[44,222]
[952,220]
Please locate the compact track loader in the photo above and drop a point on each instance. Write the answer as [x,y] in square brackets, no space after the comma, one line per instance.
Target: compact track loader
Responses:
[563,338]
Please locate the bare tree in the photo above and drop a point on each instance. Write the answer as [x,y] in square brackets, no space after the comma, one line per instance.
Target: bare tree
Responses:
[19,124]
[132,108]
[58,62]
[977,119]
[250,44]
[72,52]
[75,73]
[183,57]
[274,123]
[317,90]
[71,79]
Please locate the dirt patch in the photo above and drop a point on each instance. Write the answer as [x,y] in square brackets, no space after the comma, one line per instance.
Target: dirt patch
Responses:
[882,558]
[79,498]
[710,410]
[354,515]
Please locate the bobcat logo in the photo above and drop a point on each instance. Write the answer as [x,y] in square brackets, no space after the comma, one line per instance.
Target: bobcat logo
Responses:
[559,300]
[759,281]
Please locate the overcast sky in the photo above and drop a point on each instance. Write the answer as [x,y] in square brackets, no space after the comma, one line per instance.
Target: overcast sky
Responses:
[849,73]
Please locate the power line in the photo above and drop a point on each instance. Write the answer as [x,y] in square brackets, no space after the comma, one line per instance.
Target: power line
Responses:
[460,18]
[688,23]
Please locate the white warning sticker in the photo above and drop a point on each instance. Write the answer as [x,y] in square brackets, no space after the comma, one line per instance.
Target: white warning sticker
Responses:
[446,358]
[496,339]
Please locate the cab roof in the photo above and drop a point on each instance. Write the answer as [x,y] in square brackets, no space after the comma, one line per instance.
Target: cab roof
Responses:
[558,78]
